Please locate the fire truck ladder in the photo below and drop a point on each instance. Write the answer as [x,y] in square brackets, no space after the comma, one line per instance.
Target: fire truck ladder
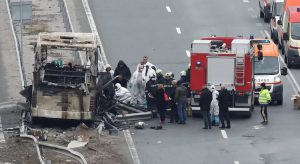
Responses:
[240,71]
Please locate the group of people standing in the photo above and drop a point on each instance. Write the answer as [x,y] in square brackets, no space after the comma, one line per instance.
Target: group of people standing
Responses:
[214,106]
[149,88]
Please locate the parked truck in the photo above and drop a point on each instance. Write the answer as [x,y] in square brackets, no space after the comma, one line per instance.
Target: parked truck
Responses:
[223,61]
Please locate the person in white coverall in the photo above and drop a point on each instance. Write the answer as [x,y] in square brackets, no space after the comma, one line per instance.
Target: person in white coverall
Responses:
[214,106]
[137,87]
[122,94]
[149,68]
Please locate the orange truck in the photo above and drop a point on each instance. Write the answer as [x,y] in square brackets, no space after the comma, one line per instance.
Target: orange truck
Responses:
[268,69]
[289,35]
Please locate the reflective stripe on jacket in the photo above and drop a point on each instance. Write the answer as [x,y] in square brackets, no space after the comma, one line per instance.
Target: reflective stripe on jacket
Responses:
[264,96]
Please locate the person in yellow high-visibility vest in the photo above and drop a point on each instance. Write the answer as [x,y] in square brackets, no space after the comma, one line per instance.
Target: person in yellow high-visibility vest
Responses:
[264,99]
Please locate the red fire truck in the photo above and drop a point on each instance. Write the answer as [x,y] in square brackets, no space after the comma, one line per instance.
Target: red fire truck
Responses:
[223,61]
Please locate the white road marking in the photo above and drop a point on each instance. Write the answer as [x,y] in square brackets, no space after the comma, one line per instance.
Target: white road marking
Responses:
[224,134]
[132,149]
[290,74]
[246,1]
[168,9]
[178,30]
[188,54]
[254,16]
[256,127]
[258,24]
[7,106]
[236,162]
[2,139]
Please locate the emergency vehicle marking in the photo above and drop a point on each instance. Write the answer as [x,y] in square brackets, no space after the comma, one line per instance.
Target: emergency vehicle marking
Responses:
[178,30]
[236,162]
[224,134]
[168,9]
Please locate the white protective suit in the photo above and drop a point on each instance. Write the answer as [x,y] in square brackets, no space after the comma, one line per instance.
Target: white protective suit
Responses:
[214,105]
[137,85]
[147,72]
[122,94]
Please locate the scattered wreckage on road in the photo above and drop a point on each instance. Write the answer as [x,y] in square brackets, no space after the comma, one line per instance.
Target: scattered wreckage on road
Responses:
[68,84]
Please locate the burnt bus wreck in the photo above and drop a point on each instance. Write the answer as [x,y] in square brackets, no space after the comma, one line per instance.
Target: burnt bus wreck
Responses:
[68,85]
[64,84]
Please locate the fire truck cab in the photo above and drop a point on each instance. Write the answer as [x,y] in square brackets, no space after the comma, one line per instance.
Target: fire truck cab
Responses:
[223,61]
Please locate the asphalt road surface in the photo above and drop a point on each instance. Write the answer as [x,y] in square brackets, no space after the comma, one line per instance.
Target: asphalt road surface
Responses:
[164,30]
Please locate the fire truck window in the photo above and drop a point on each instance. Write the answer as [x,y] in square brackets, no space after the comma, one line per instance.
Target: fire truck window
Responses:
[268,66]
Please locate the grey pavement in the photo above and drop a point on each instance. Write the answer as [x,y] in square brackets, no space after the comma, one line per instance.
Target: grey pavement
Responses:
[130,29]
[78,16]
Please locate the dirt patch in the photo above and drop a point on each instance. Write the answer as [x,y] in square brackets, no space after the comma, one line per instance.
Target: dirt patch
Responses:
[17,151]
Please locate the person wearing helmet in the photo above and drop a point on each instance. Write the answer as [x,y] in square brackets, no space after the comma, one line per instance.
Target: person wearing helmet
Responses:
[159,76]
[264,99]
[183,79]
[168,88]
[214,106]
[150,92]
[122,94]
[107,68]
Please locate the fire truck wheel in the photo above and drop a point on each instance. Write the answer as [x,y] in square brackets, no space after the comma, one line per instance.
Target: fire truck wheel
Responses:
[247,114]
[252,108]
[279,102]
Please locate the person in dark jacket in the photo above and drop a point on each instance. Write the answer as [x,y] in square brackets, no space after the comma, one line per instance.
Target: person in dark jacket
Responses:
[160,102]
[224,99]
[151,87]
[123,73]
[174,114]
[205,101]
[181,94]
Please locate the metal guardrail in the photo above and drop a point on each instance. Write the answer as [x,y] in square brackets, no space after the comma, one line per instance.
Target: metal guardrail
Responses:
[66,17]
[101,52]
[18,47]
